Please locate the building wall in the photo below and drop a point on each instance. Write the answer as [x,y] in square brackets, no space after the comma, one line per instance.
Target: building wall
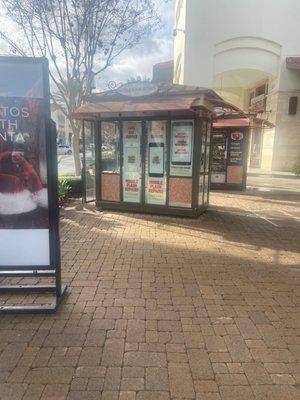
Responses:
[163,72]
[287,137]
[234,45]
[256,35]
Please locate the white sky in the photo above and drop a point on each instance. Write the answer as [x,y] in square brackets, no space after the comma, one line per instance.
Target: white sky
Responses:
[139,60]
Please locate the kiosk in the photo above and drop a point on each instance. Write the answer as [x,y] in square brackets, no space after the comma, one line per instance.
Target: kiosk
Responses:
[146,148]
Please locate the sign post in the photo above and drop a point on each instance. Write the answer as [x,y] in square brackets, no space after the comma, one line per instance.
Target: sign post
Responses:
[29,213]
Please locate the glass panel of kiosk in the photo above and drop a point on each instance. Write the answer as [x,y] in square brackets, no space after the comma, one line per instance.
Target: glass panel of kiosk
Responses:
[89,162]
[155,163]
[202,164]
[110,148]
[207,154]
[132,168]
[181,154]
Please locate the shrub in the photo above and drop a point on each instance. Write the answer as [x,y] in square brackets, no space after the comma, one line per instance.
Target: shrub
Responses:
[297,168]
[63,191]
[73,183]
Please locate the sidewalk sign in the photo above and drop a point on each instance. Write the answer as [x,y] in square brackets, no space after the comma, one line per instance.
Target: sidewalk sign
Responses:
[29,214]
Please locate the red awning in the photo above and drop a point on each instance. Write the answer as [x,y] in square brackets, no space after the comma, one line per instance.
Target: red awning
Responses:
[234,122]
[163,103]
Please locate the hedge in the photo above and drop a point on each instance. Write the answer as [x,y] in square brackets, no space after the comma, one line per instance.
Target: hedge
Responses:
[74,183]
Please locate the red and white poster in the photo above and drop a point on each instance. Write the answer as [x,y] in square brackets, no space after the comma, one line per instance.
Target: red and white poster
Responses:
[132,132]
[155,161]
[24,219]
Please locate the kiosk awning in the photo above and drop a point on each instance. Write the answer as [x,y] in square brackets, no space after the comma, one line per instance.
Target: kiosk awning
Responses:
[126,106]
[241,122]
[234,122]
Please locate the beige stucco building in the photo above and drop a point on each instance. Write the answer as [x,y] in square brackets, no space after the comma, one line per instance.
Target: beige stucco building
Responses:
[249,53]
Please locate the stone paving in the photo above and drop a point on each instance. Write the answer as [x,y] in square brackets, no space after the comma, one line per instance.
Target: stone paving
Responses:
[165,308]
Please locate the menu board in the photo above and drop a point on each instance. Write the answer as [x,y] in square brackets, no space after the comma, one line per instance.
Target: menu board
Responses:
[132,162]
[182,136]
[235,148]
[155,176]
[219,152]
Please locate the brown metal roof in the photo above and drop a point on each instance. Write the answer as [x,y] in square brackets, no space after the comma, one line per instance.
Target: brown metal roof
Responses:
[137,105]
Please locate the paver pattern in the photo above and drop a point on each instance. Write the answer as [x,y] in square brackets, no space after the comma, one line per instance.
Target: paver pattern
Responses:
[163,308]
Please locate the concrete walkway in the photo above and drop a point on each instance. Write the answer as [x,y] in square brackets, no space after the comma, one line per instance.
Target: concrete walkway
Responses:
[165,308]
[279,182]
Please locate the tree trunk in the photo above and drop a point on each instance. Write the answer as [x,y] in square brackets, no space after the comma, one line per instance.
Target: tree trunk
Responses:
[75,148]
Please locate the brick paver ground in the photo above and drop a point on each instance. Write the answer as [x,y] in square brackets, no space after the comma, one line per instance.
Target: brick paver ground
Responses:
[165,308]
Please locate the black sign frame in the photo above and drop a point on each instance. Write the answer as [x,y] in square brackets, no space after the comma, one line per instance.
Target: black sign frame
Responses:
[53,270]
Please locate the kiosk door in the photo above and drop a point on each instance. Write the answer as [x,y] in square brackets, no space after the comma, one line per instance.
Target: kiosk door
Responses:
[144,162]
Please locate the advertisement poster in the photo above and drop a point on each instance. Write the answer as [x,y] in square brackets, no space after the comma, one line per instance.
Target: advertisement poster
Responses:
[156,191]
[132,161]
[24,216]
[181,148]
[156,180]
[156,159]
[235,148]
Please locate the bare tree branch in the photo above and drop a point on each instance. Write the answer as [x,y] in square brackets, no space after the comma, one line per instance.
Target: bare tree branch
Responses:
[81,38]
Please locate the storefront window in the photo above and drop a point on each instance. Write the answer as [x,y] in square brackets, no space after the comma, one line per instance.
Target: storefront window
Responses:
[155,181]
[181,155]
[132,133]
[110,147]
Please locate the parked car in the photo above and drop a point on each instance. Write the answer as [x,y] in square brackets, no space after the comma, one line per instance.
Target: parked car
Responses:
[64,149]
[105,147]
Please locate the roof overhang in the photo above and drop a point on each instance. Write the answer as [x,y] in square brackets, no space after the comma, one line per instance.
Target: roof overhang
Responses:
[108,108]
[231,123]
